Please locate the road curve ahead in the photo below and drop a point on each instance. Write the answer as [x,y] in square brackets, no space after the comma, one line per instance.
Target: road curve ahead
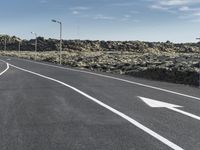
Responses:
[49,107]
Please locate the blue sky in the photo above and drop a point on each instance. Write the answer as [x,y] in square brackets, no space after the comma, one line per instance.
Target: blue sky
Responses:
[146,20]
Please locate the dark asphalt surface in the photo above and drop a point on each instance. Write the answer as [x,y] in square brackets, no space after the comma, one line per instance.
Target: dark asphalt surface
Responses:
[2,66]
[39,114]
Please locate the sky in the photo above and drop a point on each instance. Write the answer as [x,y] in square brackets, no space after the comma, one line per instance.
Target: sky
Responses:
[144,20]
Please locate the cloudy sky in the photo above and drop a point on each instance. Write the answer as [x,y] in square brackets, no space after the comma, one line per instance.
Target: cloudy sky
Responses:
[147,20]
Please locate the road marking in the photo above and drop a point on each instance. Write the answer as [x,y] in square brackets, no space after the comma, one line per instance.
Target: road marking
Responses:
[7,67]
[129,119]
[119,79]
[157,104]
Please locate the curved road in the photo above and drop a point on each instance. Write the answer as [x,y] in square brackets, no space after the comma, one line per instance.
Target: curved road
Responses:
[49,107]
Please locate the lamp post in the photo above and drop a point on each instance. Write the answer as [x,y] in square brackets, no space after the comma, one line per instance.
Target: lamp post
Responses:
[19,44]
[199,64]
[5,43]
[35,43]
[60,23]
[19,48]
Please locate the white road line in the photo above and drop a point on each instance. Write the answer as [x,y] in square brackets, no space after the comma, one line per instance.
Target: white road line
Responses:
[186,113]
[7,67]
[129,119]
[119,79]
[159,104]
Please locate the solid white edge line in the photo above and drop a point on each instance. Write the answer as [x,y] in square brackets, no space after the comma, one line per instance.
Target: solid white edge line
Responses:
[185,113]
[119,79]
[7,67]
[129,119]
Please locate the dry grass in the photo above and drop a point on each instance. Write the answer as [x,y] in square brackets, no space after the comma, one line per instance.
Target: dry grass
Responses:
[171,67]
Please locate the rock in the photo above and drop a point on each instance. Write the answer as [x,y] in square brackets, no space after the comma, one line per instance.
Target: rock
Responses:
[166,61]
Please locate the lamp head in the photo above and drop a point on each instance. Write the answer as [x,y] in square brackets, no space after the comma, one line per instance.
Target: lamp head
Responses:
[53,20]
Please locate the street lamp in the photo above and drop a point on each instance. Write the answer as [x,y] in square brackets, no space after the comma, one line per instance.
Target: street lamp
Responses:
[5,43]
[199,64]
[19,44]
[60,37]
[35,43]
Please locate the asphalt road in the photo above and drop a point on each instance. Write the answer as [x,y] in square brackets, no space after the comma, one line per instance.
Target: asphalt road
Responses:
[49,107]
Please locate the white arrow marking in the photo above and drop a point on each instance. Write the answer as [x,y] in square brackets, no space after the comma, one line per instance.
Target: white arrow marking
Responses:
[156,104]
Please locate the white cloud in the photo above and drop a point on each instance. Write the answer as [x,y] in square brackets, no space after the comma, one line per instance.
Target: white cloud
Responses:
[123,4]
[189,13]
[167,4]
[189,9]
[79,8]
[159,7]
[75,12]
[127,16]
[103,17]
[175,2]
[162,8]
[184,8]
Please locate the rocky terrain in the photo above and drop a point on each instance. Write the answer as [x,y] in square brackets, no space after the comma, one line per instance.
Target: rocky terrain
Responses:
[178,63]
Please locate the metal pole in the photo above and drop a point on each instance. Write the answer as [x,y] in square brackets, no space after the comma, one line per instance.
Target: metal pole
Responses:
[35,45]
[60,43]
[5,42]
[19,46]
[19,49]
[60,61]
